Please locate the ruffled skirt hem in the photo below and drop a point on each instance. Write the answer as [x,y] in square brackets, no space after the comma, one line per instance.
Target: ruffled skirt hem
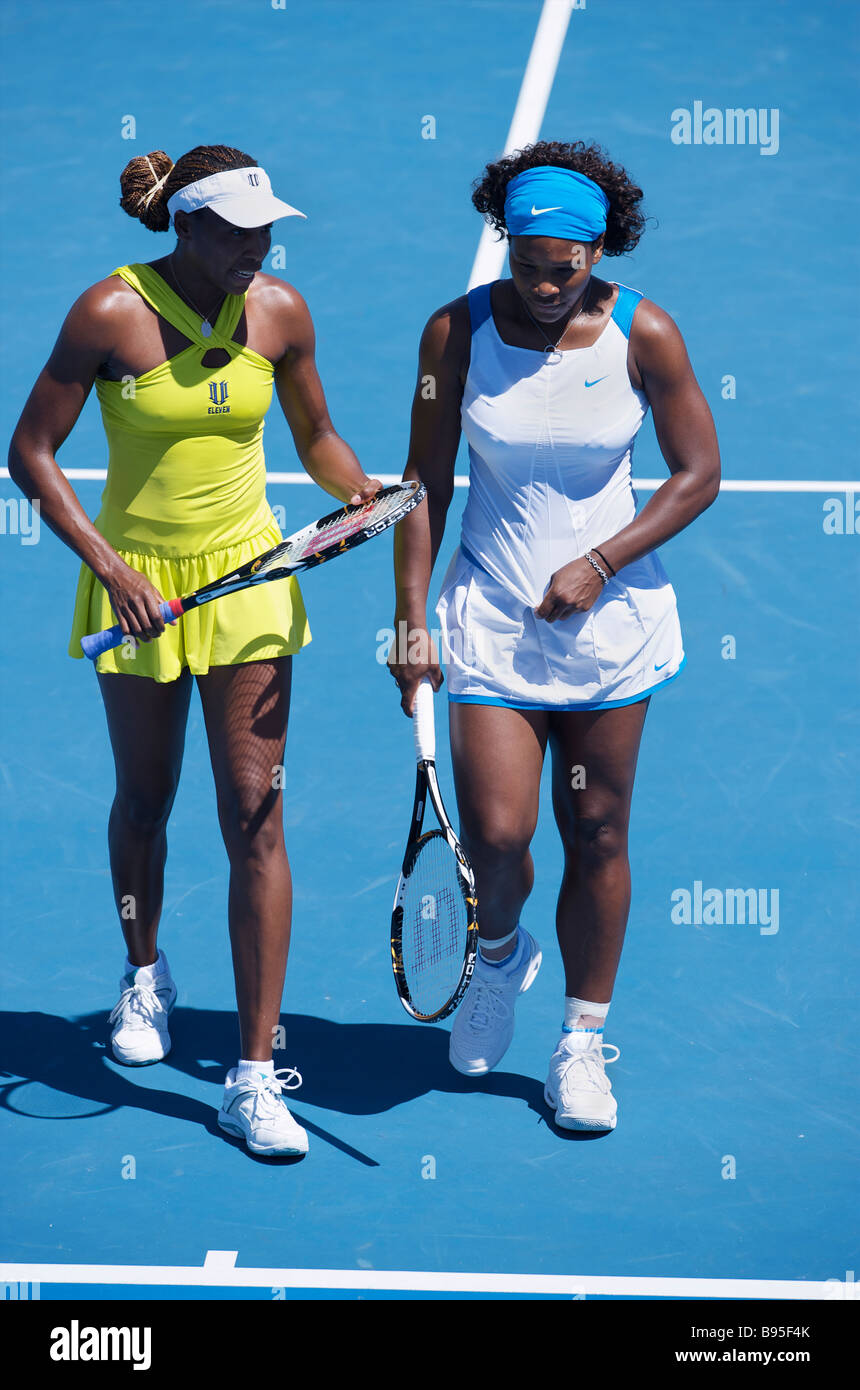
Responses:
[254,625]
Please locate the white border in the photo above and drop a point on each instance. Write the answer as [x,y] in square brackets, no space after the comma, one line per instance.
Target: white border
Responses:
[219,1269]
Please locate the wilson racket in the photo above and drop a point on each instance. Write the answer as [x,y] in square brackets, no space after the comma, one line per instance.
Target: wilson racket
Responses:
[322,540]
[434,925]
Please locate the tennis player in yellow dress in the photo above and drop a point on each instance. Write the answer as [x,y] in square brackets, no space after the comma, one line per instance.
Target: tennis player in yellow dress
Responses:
[184,353]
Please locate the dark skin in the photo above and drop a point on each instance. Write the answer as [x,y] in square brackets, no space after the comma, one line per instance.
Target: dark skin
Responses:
[498,799]
[112,332]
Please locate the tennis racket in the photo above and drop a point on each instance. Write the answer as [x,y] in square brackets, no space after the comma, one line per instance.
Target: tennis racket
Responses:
[322,540]
[434,925]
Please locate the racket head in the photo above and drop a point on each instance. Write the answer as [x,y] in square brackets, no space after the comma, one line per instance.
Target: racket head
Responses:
[344,529]
[434,927]
[332,535]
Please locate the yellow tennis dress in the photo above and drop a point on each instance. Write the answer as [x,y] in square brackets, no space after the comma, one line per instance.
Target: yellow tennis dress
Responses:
[185,499]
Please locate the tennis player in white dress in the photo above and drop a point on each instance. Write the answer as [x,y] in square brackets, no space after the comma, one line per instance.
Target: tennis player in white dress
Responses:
[558,620]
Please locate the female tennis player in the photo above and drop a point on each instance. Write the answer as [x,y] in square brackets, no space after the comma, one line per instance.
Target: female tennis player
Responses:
[558,621]
[183,352]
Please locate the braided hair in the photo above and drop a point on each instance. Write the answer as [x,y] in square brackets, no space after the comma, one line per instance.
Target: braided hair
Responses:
[624,222]
[143,199]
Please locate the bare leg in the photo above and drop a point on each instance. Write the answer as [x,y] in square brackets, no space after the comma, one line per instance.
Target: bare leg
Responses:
[246,709]
[146,723]
[498,755]
[593,819]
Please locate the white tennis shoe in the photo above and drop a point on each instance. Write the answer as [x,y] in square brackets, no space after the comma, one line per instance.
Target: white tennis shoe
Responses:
[578,1088]
[254,1110]
[484,1023]
[140,1035]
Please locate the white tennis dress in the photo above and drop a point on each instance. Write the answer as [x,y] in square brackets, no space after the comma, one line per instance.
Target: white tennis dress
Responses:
[550,446]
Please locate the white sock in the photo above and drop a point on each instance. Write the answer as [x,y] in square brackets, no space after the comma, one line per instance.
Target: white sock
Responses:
[150,972]
[249,1071]
[575,1009]
[484,944]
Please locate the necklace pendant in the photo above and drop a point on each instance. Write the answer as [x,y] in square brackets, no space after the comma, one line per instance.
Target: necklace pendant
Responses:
[553,355]
[206,328]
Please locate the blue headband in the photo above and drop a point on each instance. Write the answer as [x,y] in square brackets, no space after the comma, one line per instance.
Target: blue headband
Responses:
[549,201]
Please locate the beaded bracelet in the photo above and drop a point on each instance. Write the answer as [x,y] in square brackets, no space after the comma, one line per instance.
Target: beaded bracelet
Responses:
[595,566]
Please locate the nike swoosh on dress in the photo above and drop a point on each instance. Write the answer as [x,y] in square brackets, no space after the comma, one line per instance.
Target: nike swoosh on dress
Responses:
[595,381]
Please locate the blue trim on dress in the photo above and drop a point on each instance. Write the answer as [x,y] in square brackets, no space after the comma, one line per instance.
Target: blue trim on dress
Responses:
[480,308]
[565,709]
[625,307]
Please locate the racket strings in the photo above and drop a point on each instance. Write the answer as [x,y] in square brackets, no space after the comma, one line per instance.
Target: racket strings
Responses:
[435,919]
[276,557]
[349,523]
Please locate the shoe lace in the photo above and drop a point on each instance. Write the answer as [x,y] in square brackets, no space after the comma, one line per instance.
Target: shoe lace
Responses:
[137,1000]
[486,1004]
[591,1062]
[269,1090]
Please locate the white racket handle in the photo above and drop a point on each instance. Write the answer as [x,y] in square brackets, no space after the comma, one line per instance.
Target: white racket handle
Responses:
[424,727]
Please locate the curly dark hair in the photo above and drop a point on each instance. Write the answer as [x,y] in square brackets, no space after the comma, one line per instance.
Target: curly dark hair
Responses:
[140,176]
[624,222]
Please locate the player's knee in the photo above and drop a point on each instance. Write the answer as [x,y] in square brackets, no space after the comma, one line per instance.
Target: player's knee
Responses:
[251,824]
[496,844]
[145,811]
[599,839]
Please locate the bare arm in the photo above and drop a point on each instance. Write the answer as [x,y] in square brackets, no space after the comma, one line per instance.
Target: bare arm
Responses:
[324,455]
[434,440]
[685,432]
[86,341]
[688,441]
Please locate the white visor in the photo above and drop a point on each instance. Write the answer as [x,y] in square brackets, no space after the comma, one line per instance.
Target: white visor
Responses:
[242,197]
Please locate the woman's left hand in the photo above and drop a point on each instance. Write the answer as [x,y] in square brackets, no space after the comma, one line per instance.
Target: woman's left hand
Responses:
[573,589]
[368,489]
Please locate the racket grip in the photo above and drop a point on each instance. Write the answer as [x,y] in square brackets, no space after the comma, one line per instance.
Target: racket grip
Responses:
[99,642]
[423,723]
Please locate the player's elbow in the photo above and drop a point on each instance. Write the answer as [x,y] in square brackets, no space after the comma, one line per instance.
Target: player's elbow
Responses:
[710,487]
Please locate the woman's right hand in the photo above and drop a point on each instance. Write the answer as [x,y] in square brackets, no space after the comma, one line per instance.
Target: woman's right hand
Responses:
[413,656]
[135,601]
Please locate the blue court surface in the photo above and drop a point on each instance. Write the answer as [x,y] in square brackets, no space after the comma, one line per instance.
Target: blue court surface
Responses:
[735,1154]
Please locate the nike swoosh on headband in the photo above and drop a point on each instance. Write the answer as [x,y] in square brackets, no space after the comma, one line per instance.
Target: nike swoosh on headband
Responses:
[536,212]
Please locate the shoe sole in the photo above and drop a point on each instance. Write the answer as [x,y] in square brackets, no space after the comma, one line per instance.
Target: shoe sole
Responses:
[528,981]
[573,1121]
[148,1061]
[230,1127]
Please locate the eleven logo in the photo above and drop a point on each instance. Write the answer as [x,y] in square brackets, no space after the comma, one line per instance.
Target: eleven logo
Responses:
[218,395]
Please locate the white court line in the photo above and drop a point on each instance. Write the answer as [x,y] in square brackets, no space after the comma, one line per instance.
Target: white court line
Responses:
[95,475]
[219,1272]
[643,484]
[526,122]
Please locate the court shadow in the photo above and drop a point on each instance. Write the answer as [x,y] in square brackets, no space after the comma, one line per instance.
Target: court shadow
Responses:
[351,1068]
